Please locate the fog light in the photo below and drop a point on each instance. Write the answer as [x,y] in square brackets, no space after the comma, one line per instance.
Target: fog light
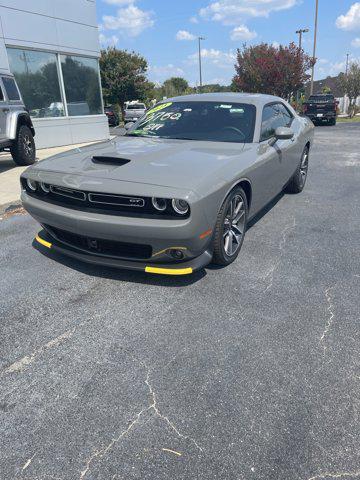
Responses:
[159,203]
[180,206]
[45,187]
[177,254]
[31,184]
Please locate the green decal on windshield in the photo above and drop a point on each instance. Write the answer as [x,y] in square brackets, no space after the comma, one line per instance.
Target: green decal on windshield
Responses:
[159,107]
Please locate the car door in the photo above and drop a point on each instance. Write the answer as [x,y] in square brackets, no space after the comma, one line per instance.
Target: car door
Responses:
[277,115]
[3,114]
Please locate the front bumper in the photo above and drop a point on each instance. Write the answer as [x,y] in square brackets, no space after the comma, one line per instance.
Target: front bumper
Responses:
[43,239]
[186,235]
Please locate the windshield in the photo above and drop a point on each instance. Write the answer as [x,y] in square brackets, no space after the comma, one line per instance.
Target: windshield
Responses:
[212,121]
[138,106]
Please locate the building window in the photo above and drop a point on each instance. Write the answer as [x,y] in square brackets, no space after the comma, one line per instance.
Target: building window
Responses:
[37,76]
[82,85]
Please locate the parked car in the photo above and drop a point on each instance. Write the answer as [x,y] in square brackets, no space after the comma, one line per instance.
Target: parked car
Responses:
[321,108]
[112,116]
[133,111]
[178,190]
[16,129]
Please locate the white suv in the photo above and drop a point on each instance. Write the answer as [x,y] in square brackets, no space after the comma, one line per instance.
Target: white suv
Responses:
[16,128]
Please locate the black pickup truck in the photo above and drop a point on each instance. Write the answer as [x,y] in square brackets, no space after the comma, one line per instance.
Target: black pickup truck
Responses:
[321,108]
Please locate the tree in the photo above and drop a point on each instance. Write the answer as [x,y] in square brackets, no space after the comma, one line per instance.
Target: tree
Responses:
[269,69]
[175,86]
[123,76]
[350,85]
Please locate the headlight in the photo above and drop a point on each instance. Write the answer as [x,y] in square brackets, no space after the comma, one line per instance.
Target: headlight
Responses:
[180,206]
[45,187]
[159,203]
[31,184]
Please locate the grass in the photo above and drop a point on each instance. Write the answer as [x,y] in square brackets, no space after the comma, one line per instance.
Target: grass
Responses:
[348,120]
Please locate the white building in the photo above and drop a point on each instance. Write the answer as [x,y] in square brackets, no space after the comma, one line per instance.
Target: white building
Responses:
[52,48]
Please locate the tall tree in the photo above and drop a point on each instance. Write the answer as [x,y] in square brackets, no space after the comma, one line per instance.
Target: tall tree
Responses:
[350,84]
[123,76]
[269,69]
[175,86]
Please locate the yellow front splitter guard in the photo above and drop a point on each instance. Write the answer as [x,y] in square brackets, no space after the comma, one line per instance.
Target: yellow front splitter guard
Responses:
[169,271]
[159,271]
[43,242]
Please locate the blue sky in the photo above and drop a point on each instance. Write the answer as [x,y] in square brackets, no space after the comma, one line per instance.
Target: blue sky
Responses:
[165,31]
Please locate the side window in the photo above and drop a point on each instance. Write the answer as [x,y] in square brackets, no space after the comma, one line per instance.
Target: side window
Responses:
[1,95]
[288,118]
[11,88]
[274,115]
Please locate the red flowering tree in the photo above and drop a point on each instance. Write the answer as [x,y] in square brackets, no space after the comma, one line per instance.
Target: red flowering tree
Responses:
[269,69]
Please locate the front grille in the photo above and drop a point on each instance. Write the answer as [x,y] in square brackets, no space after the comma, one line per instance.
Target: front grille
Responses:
[103,203]
[99,246]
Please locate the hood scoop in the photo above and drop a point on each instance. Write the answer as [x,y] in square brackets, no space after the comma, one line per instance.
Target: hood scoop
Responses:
[110,160]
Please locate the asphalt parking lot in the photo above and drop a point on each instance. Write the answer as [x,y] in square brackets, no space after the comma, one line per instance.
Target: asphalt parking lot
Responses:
[246,373]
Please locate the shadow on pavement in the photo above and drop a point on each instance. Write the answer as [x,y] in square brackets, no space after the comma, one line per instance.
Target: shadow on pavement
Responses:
[140,277]
[121,274]
[6,163]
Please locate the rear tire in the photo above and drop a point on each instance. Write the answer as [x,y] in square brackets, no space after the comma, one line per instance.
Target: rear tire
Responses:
[333,121]
[298,180]
[23,150]
[230,227]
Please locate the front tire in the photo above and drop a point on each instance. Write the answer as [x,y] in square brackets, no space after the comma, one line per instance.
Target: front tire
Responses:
[230,227]
[298,180]
[23,150]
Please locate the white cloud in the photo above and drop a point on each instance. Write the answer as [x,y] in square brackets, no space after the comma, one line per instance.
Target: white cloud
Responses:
[161,73]
[130,21]
[356,42]
[184,35]
[242,33]
[232,12]
[193,19]
[105,41]
[275,44]
[351,20]
[214,57]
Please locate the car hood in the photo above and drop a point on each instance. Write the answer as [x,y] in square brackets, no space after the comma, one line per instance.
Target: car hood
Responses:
[164,162]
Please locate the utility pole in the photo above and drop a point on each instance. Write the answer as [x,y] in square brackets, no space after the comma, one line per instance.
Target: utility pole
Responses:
[300,33]
[314,50]
[347,64]
[200,70]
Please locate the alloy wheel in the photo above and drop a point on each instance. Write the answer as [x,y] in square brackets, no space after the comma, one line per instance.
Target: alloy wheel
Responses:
[28,147]
[304,168]
[234,225]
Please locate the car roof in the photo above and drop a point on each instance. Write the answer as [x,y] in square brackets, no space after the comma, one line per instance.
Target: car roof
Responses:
[257,99]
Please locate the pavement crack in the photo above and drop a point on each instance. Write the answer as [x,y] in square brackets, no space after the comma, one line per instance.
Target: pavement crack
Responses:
[269,275]
[163,417]
[99,453]
[336,475]
[21,364]
[331,316]
[103,451]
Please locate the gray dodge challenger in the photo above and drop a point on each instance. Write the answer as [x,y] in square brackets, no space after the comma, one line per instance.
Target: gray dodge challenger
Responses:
[178,190]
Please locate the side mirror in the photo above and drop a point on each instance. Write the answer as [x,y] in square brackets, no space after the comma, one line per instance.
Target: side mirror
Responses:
[129,125]
[282,133]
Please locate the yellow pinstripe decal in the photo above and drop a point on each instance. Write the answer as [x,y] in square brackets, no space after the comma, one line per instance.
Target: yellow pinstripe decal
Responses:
[43,242]
[169,271]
